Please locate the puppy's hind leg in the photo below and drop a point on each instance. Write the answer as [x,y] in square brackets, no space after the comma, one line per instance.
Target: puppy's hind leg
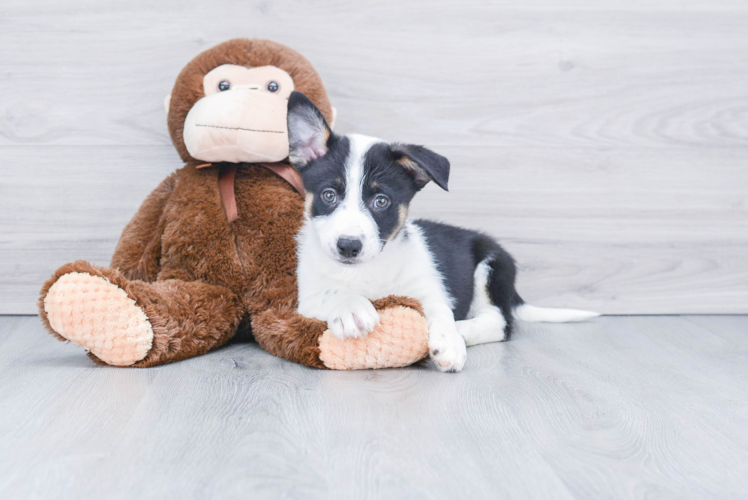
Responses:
[487,326]
[486,322]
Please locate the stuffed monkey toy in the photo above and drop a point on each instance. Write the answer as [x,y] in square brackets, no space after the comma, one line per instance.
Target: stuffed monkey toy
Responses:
[212,251]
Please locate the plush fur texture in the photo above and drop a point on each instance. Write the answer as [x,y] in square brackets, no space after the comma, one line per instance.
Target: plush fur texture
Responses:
[198,278]
[242,52]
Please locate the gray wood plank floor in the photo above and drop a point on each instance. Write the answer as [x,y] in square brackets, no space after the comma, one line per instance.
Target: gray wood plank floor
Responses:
[621,407]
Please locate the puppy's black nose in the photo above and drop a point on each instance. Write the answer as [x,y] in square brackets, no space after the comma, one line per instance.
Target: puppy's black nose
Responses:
[349,247]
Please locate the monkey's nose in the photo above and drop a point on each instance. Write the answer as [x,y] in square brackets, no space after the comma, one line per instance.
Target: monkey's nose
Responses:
[247,86]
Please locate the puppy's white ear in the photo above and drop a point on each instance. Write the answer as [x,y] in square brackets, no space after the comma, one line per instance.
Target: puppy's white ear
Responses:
[167,101]
[308,131]
[423,164]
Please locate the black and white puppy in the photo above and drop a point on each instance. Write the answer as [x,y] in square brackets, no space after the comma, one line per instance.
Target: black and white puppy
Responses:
[357,244]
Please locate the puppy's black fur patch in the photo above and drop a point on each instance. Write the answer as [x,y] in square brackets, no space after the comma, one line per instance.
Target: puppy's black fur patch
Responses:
[327,172]
[457,253]
[428,165]
[383,175]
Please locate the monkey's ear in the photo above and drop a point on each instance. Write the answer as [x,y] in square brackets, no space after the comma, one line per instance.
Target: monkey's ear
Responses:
[334,117]
[167,101]
[308,131]
[423,164]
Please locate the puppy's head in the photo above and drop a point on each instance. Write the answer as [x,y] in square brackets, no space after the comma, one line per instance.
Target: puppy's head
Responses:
[358,188]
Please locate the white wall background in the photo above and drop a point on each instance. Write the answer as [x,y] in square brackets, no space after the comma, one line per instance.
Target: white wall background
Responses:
[604,142]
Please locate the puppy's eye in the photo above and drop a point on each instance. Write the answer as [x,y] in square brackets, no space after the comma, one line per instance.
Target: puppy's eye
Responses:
[273,86]
[329,196]
[381,202]
[224,85]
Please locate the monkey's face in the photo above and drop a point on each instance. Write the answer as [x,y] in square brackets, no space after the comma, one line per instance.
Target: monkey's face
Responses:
[242,117]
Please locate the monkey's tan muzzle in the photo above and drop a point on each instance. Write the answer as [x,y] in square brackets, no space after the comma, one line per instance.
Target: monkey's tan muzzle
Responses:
[241,125]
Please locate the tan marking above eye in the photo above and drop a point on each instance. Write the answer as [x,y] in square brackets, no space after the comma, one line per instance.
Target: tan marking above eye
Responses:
[241,77]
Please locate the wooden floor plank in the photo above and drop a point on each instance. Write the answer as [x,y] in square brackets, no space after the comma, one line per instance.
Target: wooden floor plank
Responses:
[732,328]
[58,410]
[620,407]
[652,393]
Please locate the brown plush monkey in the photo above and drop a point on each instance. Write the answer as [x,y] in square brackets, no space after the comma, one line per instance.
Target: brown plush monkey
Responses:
[212,251]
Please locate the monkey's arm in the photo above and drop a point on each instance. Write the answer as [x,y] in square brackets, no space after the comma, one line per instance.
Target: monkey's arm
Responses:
[400,339]
[138,251]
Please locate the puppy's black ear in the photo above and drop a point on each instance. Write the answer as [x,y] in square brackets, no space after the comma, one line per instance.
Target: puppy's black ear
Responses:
[423,164]
[308,132]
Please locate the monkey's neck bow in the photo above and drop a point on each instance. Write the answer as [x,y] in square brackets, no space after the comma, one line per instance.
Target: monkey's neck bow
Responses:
[227,174]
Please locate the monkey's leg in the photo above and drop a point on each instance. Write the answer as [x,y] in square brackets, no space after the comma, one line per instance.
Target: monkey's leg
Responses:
[401,338]
[134,323]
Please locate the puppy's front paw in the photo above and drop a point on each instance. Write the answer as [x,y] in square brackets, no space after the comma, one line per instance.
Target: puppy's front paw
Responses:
[352,317]
[447,350]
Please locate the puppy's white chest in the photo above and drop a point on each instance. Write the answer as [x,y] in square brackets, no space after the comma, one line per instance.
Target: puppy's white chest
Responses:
[373,280]
[404,267]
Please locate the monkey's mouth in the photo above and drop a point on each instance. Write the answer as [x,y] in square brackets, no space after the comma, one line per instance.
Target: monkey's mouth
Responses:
[240,128]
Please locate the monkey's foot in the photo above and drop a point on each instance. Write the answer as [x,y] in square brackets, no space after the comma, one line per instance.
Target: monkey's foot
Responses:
[97,315]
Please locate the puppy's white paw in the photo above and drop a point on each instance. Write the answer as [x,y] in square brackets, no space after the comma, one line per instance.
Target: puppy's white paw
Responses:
[447,349]
[352,317]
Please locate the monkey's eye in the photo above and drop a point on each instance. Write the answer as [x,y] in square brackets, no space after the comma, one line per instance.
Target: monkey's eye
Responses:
[224,85]
[273,86]
[329,196]
[381,202]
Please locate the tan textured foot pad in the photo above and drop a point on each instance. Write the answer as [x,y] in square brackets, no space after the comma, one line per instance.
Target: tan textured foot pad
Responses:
[401,339]
[98,315]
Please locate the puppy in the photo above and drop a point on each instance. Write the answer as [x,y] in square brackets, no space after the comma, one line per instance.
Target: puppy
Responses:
[357,244]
